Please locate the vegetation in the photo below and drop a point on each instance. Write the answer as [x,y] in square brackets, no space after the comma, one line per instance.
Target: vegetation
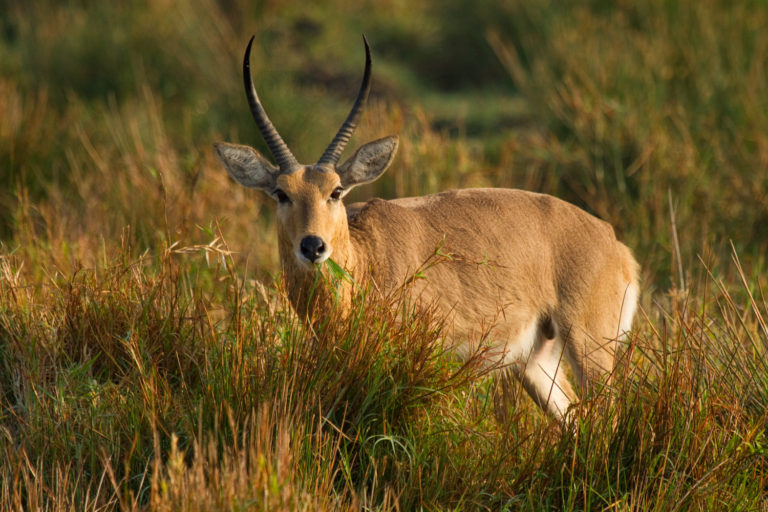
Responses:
[149,358]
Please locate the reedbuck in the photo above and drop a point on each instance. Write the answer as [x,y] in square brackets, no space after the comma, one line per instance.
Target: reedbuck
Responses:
[538,277]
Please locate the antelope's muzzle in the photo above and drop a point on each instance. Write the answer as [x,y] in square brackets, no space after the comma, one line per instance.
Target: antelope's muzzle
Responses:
[313,248]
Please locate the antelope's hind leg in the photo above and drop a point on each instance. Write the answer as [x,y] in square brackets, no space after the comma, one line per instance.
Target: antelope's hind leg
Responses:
[591,348]
[543,375]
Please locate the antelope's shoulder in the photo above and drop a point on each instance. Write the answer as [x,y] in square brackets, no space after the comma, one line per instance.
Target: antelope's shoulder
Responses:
[377,210]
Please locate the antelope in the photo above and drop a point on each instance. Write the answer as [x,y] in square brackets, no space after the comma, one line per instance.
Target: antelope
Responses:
[551,281]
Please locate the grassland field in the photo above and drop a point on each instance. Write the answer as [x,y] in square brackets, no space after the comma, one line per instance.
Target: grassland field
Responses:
[149,359]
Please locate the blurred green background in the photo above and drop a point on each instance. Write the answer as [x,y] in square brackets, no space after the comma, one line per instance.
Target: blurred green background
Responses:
[109,111]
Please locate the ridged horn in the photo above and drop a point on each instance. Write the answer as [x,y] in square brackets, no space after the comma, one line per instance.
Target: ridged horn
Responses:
[283,156]
[336,148]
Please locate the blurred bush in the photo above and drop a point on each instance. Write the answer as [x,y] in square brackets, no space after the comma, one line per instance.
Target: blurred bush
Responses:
[619,105]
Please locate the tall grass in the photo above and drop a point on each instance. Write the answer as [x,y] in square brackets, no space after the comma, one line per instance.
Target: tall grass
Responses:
[129,385]
[148,354]
[639,100]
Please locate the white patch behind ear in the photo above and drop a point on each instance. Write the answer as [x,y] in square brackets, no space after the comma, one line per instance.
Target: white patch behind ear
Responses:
[247,166]
[368,163]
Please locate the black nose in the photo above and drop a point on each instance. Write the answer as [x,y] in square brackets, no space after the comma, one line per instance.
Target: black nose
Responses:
[312,247]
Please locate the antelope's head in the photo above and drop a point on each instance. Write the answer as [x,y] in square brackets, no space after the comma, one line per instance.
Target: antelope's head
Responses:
[312,220]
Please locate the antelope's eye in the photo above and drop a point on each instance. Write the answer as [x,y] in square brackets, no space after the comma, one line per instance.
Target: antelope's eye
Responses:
[281,196]
[336,194]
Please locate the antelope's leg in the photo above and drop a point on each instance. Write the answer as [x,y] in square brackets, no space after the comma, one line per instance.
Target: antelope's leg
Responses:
[544,378]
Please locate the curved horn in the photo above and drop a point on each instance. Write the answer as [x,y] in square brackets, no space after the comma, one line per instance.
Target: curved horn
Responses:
[332,154]
[277,146]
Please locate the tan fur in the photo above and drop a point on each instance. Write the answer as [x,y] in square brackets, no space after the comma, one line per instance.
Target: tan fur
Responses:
[517,259]
[541,280]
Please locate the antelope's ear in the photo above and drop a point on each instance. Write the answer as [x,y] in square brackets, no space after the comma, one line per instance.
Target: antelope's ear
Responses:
[247,166]
[368,163]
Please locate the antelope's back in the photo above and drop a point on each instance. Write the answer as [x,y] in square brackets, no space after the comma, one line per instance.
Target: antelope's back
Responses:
[508,251]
